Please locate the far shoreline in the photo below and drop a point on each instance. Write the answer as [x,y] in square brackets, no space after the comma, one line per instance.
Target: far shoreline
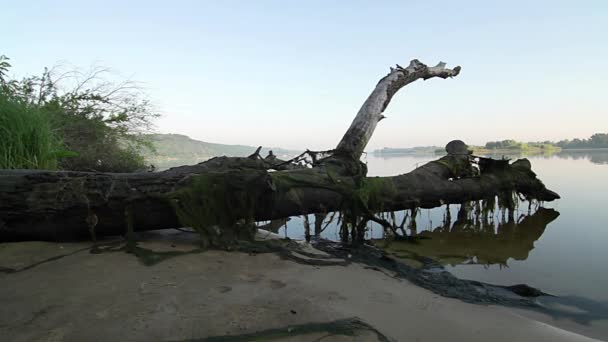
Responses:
[493,152]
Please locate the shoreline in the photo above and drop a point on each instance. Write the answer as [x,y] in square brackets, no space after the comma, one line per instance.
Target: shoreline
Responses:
[84,296]
[534,151]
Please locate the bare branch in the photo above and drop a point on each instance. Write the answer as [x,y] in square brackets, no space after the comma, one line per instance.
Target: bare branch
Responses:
[356,138]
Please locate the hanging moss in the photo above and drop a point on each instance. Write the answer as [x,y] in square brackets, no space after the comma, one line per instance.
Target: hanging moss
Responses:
[447,218]
[359,194]
[358,203]
[478,212]
[365,193]
[487,207]
[507,200]
[372,190]
[463,212]
[220,206]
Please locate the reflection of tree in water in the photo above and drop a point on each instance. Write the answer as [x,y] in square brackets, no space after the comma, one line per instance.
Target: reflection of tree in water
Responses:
[470,239]
[473,237]
[599,158]
[477,241]
[594,156]
[321,222]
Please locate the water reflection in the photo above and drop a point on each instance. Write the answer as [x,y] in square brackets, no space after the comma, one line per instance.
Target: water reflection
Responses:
[599,156]
[482,242]
[579,309]
[473,238]
[596,156]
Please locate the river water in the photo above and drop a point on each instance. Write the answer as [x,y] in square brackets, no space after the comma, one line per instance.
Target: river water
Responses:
[567,254]
[561,249]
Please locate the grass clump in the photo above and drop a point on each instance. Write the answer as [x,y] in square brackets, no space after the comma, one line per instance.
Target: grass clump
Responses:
[27,138]
[100,125]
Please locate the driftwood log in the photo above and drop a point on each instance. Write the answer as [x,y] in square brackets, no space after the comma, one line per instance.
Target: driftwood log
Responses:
[223,196]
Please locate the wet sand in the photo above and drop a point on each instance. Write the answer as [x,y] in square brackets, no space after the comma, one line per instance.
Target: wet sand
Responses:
[113,296]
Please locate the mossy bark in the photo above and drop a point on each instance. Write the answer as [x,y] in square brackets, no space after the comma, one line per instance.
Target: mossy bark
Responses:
[222,200]
[222,197]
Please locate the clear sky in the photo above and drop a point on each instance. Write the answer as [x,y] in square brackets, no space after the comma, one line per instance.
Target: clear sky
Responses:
[294,73]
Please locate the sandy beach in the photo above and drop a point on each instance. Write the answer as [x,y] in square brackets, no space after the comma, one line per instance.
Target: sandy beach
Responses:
[73,295]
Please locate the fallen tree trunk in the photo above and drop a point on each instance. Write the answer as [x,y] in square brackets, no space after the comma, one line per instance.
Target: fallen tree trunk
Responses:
[222,197]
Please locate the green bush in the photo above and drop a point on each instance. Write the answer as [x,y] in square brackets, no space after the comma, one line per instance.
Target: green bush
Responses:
[27,139]
[101,123]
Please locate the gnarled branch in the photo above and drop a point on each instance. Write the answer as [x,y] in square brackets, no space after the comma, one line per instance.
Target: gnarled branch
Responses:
[362,128]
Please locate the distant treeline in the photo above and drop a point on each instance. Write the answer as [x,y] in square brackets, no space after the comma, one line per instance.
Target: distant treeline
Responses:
[597,140]
[518,146]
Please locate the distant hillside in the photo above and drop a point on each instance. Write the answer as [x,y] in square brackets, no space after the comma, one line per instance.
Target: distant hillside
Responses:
[178,149]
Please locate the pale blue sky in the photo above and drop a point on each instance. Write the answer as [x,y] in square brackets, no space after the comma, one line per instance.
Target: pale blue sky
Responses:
[294,73]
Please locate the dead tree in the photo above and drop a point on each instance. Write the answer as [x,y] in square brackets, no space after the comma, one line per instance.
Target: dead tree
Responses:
[223,196]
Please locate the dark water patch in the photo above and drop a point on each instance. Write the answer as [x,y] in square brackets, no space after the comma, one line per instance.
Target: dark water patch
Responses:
[578,309]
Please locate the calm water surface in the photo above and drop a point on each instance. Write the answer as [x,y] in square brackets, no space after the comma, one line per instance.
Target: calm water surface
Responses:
[561,251]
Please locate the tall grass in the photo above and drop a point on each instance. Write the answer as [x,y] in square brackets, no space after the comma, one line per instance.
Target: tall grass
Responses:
[27,140]
[72,121]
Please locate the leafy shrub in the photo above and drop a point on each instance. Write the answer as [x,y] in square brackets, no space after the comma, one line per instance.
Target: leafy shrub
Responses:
[27,139]
[102,123]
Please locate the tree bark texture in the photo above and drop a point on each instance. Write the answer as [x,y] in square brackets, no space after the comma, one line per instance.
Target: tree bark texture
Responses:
[223,196]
